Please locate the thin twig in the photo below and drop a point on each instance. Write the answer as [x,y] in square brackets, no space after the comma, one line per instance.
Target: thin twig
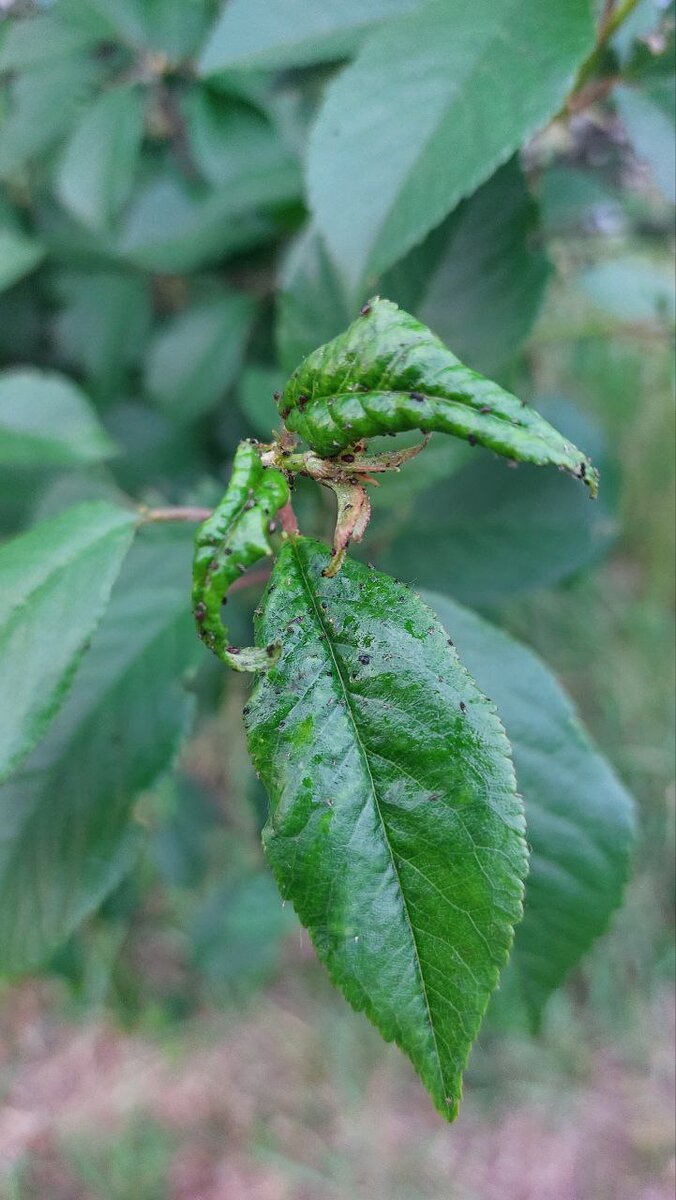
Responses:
[187,513]
[287,520]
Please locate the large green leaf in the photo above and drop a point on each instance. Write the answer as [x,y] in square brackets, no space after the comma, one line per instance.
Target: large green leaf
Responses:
[103,326]
[19,255]
[65,816]
[579,816]
[388,373]
[395,828]
[55,581]
[195,357]
[478,280]
[433,104]
[291,33]
[96,173]
[46,421]
[488,532]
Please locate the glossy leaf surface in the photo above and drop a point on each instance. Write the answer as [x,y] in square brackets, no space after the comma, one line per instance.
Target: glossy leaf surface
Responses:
[46,421]
[65,815]
[435,101]
[388,373]
[394,826]
[55,581]
[233,538]
[579,816]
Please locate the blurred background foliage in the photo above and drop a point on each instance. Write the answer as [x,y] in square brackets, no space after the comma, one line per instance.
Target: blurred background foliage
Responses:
[157,257]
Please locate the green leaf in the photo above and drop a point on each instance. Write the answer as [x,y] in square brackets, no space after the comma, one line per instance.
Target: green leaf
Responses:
[195,357]
[172,27]
[291,33]
[488,532]
[65,817]
[255,397]
[652,133]
[388,373]
[96,174]
[45,103]
[46,421]
[55,581]
[634,289]
[172,231]
[395,828]
[42,38]
[19,255]
[234,537]
[103,326]
[433,104]
[312,306]
[478,280]
[579,816]
[239,151]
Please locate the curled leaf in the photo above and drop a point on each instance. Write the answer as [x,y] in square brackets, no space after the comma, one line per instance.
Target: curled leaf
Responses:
[388,373]
[234,537]
[354,512]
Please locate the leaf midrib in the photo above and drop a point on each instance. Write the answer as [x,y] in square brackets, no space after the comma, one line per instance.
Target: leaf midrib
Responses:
[364,756]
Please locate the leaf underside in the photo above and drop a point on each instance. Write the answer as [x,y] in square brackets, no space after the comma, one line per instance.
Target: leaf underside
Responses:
[388,373]
[394,825]
[233,538]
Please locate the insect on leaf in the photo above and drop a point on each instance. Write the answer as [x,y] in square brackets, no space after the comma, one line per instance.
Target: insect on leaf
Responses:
[233,538]
[395,828]
[388,373]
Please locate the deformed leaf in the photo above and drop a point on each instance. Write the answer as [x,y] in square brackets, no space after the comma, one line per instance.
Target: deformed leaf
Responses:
[388,373]
[55,581]
[234,537]
[579,816]
[46,421]
[394,827]
[65,815]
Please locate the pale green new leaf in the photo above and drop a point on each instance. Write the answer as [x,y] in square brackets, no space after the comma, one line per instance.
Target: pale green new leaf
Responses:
[388,373]
[55,581]
[194,358]
[96,174]
[579,816]
[46,421]
[292,33]
[394,828]
[434,102]
[65,816]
